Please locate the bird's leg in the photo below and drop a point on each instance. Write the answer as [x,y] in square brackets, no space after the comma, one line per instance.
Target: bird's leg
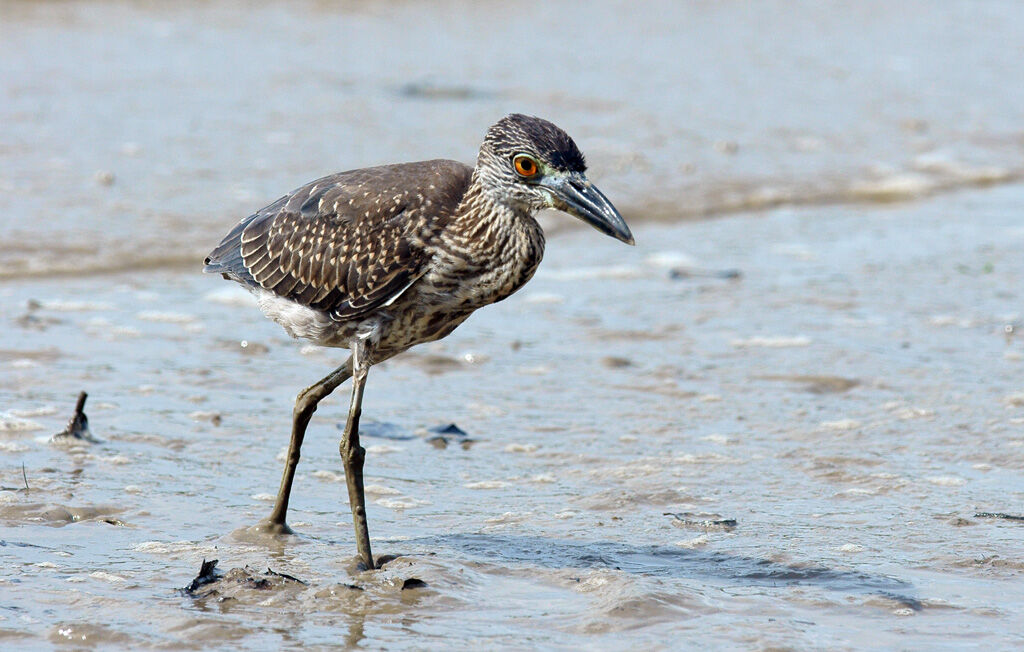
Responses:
[305,406]
[352,454]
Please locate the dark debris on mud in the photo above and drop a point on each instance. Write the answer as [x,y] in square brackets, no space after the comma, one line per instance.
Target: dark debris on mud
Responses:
[208,573]
[449,434]
[707,522]
[78,426]
[286,576]
[680,273]
[241,583]
[440,437]
[816,384]
[237,578]
[999,515]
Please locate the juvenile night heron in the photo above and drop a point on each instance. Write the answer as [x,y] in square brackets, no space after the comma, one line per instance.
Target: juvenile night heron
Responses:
[381,259]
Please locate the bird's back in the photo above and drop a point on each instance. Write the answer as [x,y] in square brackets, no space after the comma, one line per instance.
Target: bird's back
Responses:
[347,243]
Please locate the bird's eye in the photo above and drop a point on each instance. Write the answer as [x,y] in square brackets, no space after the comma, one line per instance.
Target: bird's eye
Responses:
[525,166]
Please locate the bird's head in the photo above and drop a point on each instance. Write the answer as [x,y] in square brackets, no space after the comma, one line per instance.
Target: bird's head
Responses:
[531,164]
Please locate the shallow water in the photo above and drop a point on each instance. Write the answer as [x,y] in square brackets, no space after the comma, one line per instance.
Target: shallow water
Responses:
[843,382]
[852,399]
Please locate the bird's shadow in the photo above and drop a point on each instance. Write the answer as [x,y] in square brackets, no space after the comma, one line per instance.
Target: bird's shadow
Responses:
[671,562]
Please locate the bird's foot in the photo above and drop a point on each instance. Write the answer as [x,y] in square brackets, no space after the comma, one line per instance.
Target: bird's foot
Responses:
[265,533]
[358,564]
[270,526]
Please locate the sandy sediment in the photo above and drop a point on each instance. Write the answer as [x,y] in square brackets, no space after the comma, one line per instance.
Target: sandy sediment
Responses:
[650,452]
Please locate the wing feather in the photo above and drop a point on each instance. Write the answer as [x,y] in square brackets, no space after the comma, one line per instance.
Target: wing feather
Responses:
[348,243]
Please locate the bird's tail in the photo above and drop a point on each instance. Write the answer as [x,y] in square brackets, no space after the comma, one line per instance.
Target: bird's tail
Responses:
[226,259]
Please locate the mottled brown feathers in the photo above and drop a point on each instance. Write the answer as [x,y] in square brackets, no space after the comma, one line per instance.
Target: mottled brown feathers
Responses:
[347,243]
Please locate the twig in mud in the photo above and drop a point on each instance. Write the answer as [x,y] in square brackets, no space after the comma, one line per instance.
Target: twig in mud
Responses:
[78,427]
[24,478]
[286,576]
[1008,517]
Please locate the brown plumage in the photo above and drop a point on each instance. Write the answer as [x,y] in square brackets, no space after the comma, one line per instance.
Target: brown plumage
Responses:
[346,243]
[380,259]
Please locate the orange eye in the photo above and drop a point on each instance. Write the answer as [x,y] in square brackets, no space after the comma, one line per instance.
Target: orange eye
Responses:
[525,166]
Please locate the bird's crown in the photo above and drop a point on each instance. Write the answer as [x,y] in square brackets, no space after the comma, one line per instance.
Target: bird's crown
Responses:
[518,133]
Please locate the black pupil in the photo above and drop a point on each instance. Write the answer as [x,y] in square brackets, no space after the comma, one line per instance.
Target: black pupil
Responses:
[526,164]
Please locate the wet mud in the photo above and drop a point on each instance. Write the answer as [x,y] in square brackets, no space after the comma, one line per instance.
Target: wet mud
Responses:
[794,428]
[824,450]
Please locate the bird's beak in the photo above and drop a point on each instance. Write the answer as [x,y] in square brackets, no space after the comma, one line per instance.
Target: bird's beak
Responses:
[575,195]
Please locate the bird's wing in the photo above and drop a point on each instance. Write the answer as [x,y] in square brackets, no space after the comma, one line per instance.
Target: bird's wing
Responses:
[348,243]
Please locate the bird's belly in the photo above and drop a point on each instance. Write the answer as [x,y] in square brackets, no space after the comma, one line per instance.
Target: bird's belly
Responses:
[439,304]
[303,322]
[395,329]
[429,310]
[411,327]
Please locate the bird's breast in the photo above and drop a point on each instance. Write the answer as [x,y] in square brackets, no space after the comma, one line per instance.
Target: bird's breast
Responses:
[465,274]
[486,265]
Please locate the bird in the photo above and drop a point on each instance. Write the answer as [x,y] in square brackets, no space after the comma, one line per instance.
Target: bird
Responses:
[380,259]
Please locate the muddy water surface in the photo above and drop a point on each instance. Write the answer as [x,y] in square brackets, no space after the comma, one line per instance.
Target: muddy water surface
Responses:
[771,429]
[851,400]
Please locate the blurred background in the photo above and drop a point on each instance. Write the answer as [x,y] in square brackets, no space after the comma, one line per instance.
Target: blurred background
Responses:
[134,132]
[797,425]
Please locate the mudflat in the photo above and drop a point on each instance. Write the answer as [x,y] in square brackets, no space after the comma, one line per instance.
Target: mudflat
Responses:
[849,396]
[798,422]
